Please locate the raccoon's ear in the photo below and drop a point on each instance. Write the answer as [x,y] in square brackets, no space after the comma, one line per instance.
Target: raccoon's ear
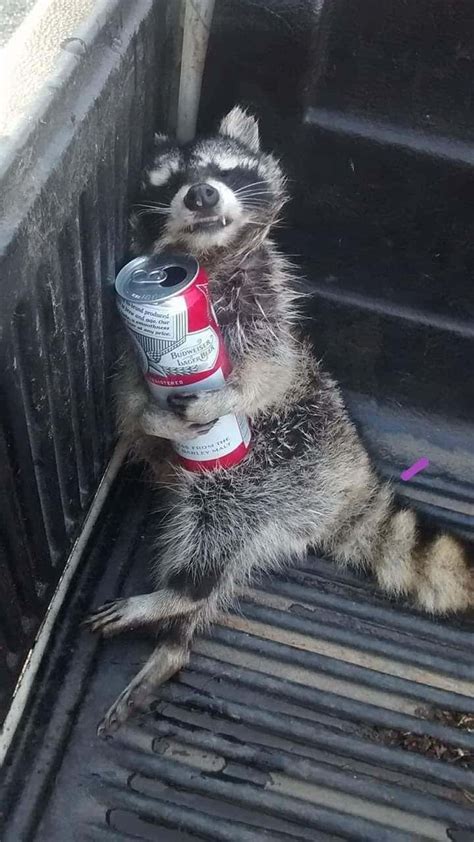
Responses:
[241,126]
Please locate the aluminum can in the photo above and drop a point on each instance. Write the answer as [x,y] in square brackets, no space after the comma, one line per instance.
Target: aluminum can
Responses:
[164,302]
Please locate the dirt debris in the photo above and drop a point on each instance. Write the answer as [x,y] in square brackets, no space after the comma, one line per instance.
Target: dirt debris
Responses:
[430,746]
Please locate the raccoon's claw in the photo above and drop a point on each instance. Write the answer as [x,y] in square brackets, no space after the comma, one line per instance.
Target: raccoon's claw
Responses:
[201,408]
[202,429]
[108,619]
[164,662]
[134,698]
[180,403]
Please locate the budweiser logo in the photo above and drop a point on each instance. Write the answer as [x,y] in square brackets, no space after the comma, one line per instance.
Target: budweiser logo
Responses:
[196,352]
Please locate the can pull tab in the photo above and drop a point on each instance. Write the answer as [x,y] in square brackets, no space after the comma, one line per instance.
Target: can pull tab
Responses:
[157,276]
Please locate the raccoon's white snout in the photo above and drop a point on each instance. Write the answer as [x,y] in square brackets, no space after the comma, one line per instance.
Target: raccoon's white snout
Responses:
[211,198]
[203,215]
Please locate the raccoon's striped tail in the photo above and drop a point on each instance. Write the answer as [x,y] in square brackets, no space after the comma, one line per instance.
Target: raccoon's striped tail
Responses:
[407,556]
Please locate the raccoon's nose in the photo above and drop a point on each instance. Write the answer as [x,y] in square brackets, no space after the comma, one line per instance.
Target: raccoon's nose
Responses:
[201,196]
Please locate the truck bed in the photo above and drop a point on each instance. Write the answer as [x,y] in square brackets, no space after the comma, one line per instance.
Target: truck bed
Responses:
[316,710]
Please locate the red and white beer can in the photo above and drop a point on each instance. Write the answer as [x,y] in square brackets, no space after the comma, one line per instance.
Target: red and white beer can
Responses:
[164,301]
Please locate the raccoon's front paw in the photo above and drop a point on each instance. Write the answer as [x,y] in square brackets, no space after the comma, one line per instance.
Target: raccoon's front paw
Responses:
[201,407]
[169,425]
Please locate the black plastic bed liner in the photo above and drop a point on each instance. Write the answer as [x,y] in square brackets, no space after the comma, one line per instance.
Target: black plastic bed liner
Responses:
[317,711]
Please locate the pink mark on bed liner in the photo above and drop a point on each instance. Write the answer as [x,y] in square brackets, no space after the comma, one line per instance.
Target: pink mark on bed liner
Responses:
[417,466]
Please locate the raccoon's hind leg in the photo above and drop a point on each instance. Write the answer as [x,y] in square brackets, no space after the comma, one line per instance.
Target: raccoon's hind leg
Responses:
[194,589]
[175,636]
[406,557]
[171,655]
[209,580]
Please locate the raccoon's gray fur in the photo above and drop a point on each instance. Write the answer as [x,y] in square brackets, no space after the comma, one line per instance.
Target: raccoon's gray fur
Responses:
[307,481]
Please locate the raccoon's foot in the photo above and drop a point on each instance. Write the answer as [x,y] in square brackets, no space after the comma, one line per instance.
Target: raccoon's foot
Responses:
[165,661]
[203,407]
[117,616]
[137,612]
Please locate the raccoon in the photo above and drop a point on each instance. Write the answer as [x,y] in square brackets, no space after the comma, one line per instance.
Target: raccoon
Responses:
[307,481]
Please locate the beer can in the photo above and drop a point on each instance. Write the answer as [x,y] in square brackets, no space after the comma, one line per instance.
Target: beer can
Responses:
[164,302]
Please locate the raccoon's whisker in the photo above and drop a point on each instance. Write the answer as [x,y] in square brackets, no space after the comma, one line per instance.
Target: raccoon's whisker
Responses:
[251,195]
[248,186]
[255,201]
[150,211]
[152,205]
[152,208]
[254,188]
[254,205]
[151,202]
[157,205]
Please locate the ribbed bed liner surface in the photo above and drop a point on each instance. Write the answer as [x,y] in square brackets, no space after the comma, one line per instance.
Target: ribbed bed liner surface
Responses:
[317,711]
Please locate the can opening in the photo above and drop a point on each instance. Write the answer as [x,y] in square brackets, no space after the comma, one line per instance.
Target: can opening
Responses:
[174,276]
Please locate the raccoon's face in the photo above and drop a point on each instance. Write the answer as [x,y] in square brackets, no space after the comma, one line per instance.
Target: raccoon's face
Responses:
[210,193]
